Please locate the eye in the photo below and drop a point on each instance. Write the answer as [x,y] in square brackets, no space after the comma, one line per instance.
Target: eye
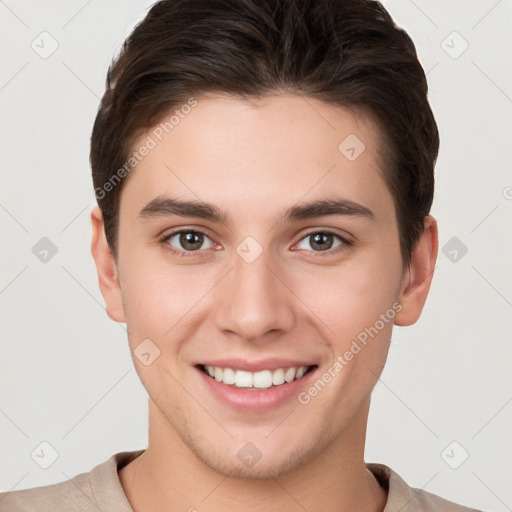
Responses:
[187,241]
[322,241]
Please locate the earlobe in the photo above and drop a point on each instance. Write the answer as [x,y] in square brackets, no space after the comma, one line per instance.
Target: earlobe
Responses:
[418,277]
[106,268]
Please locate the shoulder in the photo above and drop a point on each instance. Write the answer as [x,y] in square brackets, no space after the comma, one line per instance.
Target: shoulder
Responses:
[68,495]
[408,499]
[99,488]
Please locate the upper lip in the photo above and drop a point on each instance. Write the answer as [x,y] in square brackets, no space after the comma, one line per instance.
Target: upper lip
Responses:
[256,366]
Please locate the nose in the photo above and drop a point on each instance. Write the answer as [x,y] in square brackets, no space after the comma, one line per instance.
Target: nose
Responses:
[254,300]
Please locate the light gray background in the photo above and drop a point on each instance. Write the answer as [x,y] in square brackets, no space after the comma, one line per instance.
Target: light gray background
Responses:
[66,375]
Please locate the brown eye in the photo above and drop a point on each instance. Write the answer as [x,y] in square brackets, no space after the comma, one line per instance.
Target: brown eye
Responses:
[322,241]
[187,240]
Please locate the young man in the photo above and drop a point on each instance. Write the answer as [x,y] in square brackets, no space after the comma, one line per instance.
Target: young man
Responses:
[264,175]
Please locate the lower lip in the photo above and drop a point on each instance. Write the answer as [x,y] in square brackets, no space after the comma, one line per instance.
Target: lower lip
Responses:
[255,401]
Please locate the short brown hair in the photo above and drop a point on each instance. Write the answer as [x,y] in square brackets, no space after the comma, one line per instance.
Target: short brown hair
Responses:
[348,53]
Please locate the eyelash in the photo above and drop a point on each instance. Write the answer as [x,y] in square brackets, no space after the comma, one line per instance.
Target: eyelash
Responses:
[188,254]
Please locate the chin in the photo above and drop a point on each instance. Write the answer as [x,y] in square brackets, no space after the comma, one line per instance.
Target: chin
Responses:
[250,463]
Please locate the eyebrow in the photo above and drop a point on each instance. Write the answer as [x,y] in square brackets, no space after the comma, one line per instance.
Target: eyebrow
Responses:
[163,206]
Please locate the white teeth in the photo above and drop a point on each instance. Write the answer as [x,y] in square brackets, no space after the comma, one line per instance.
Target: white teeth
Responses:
[289,374]
[262,379]
[278,377]
[301,370]
[258,380]
[228,376]
[243,379]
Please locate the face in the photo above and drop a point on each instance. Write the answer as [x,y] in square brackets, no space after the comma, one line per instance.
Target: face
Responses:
[293,260]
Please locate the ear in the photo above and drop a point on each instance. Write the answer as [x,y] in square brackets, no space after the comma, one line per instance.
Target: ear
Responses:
[417,278]
[106,268]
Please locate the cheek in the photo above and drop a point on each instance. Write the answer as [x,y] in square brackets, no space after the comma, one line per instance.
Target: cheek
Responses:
[159,297]
[356,306]
[351,297]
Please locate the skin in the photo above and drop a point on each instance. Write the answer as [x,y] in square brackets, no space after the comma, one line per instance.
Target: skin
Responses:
[294,300]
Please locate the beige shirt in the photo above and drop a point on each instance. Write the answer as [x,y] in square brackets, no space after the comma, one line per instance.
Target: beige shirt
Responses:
[101,490]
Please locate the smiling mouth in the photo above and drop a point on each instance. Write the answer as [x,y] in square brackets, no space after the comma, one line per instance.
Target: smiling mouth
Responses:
[256,381]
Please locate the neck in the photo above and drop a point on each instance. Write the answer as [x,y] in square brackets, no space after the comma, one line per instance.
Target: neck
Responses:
[170,476]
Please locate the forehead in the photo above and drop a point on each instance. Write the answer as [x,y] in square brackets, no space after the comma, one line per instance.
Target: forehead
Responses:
[273,151]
